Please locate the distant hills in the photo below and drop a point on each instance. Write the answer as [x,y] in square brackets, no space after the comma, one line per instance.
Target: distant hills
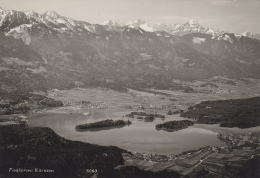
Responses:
[41,51]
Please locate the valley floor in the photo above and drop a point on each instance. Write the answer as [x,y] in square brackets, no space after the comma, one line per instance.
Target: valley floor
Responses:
[216,161]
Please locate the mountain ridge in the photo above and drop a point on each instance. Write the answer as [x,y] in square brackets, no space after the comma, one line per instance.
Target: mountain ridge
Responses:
[192,26]
[119,56]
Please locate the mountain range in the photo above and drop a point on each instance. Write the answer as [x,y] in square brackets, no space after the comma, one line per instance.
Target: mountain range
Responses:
[42,51]
[192,26]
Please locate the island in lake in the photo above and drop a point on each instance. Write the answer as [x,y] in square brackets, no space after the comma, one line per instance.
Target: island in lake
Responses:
[174,125]
[144,114]
[102,124]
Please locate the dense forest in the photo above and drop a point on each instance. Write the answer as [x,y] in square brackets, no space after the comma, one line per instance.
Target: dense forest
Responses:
[102,124]
[174,125]
[242,113]
[251,169]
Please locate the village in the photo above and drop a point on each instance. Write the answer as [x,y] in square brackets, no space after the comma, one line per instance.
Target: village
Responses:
[239,148]
[153,157]
[241,140]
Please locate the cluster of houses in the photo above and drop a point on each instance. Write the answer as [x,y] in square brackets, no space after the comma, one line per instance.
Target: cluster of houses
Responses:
[152,106]
[89,105]
[223,91]
[54,92]
[153,157]
[241,140]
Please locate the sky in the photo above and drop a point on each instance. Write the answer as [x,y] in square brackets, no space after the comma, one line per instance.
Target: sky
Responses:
[235,16]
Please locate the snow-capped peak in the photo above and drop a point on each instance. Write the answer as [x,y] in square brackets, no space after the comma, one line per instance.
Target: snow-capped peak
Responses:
[141,24]
[146,27]
[52,14]
[247,33]
[250,35]
[30,13]
[130,26]
[1,9]
[139,21]
[193,23]
[110,23]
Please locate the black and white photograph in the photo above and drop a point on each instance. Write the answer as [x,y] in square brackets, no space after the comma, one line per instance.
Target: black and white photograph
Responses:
[130,89]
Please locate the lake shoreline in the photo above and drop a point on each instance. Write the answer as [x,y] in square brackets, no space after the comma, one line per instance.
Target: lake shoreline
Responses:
[65,118]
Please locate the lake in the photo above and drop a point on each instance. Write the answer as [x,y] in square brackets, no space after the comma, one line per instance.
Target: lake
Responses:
[138,137]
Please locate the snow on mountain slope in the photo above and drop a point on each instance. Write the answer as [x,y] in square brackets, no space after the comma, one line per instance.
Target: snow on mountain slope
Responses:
[227,37]
[192,26]
[193,23]
[52,14]
[21,24]
[141,24]
[55,18]
[146,27]
[10,19]
[110,23]
[251,35]
[21,32]
[93,53]
[136,23]
[197,40]
[31,13]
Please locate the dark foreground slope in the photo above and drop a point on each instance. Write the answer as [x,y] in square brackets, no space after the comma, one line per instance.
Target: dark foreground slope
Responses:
[25,148]
[242,113]
[251,169]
